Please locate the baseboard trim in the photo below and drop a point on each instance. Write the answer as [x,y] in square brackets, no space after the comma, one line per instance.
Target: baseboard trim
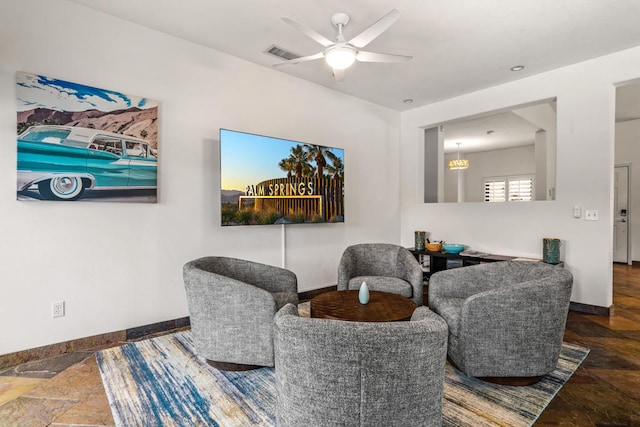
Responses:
[91,343]
[46,351]
[591,309]
[156,328]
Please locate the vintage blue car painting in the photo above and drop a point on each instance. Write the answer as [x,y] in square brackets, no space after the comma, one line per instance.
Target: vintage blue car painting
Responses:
[61,162]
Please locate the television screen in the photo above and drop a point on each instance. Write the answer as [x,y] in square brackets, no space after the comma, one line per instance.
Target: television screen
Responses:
[266,180]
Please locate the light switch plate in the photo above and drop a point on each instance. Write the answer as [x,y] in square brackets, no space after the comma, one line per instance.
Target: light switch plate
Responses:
[577,211]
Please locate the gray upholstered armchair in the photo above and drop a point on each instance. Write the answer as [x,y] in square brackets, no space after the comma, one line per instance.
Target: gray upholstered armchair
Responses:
[337,373]
[231,305]
[506,319]
[385,267]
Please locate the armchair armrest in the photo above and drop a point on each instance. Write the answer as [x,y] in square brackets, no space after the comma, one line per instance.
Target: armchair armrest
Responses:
[346,270]
[274,279]
[409,269]
[424,314]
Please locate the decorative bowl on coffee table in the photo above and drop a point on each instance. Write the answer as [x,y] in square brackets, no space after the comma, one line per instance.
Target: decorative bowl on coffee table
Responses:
[453,248]
[434,247]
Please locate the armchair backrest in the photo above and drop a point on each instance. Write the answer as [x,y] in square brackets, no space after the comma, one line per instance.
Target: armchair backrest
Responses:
[331,372]
[267,277]
[375,259]
[467,281]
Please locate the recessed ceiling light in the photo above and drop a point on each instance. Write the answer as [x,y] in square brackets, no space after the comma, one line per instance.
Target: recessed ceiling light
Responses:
[517,68]
[407,101]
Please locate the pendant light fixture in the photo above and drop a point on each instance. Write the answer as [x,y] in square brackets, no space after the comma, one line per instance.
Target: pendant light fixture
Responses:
[458,163]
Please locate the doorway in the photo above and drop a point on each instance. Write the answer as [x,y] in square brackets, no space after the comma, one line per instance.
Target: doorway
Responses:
[621,240]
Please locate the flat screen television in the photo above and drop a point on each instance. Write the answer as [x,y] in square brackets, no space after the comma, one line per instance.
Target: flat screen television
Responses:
[266,180]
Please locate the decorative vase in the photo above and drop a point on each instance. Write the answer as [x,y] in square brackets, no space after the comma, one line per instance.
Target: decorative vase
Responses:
[551,250]
[363,295]
[420,237]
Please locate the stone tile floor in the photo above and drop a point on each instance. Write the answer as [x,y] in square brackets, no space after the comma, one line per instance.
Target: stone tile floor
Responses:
[61,391]
[67,390]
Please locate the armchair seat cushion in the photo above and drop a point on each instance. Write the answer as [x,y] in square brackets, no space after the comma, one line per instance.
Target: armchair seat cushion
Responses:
[384,284]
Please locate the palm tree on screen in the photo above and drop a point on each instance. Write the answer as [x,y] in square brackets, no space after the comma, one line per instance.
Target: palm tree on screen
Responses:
[336,168]
[320,155]
[308,171]
[288,165]
[300,157]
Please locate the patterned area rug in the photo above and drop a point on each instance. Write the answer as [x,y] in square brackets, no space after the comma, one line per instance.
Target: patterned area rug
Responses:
[161,382]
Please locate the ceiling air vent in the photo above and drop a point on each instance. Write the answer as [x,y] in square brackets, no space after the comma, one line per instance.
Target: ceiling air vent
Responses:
[279,52]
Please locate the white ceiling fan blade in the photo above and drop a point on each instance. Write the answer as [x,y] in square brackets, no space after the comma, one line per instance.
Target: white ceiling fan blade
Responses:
[308,32]
[301,59]
[375,29]
[364,56]
[338,75]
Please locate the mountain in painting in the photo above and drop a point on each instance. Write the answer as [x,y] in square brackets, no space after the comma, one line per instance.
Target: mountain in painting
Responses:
[136,122]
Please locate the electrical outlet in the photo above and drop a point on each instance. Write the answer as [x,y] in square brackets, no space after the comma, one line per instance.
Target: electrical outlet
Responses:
[591,215]
[57,309]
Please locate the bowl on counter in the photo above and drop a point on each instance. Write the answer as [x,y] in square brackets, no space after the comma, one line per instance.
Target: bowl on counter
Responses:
[434,247]
[453,248]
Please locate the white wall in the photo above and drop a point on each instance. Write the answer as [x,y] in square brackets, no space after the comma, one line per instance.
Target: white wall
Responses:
[488,164]
[628,153]
[115,276]
[585,106]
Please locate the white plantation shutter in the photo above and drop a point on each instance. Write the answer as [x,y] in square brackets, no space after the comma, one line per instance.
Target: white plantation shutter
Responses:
[520,189]
[495,191]
[512,189]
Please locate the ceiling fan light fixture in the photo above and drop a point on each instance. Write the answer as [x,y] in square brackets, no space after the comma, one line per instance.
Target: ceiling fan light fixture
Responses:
[340,57]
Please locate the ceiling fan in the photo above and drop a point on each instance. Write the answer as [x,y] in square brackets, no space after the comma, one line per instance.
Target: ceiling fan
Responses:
[341,54]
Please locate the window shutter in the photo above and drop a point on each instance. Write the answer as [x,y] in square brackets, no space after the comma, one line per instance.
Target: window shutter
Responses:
[511,189]
[495,191]
[520,189]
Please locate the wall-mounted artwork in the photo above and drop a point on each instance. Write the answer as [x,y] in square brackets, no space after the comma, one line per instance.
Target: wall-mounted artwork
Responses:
[266,180]
[78,142]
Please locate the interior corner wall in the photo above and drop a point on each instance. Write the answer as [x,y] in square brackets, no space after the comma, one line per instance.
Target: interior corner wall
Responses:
[431,169]
[119,265]
[487,164]
[585,158]
[628,153]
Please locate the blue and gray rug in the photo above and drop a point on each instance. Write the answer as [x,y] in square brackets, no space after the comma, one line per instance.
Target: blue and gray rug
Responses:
[161,382]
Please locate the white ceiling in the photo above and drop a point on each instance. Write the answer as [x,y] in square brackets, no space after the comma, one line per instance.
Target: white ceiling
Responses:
[458,46]
[508,130]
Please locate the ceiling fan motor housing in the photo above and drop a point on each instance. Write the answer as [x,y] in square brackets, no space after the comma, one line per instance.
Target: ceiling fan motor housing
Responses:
[340,18]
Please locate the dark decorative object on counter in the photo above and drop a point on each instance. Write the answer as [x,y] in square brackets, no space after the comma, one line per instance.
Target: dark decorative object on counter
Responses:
[420,237]
[551,250]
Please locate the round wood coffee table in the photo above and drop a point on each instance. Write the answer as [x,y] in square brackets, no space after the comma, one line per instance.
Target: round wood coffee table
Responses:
[345,305]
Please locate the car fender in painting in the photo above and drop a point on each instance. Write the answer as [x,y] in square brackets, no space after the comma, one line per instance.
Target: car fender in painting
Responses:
[61,162]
